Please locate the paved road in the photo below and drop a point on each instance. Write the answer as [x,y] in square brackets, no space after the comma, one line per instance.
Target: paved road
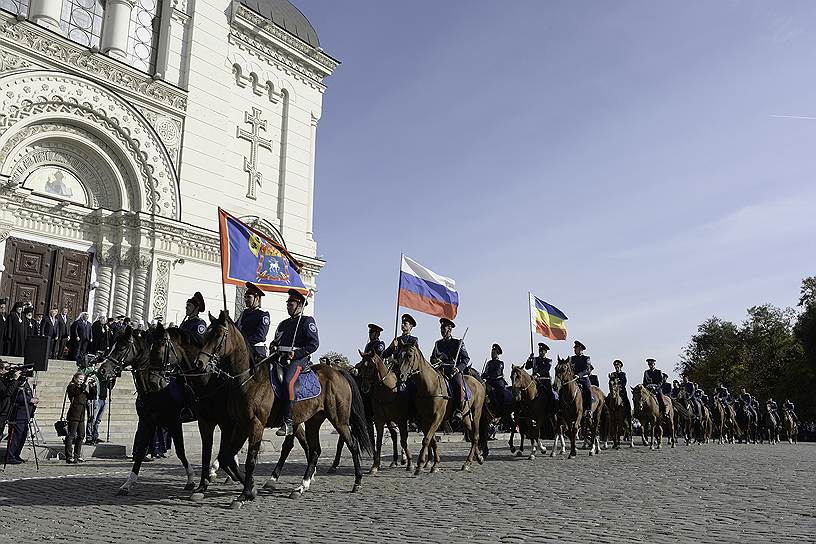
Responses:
[755,493]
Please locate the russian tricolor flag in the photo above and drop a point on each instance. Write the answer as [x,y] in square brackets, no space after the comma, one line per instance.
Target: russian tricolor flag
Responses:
[426,291]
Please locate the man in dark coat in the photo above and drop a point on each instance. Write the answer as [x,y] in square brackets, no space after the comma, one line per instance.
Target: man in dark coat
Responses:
[100,335]
[3,323]
[63,330]
[20,412]
[493,375]
[254,321]
[580,367]
[192,324]
[15,332]
[653,380]
[49,327]
[81,338]
[451,355]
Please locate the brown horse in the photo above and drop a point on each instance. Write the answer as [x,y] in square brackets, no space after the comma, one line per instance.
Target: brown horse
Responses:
[253,407]
[770,423]
[791,428]
[434,407]
[620,413]
[571,412]
[389,407]
[647,411]
[533,409]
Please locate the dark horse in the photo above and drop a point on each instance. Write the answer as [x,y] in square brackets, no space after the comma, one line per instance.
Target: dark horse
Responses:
[534,407]
[253,407]
[155,405]
[210,390]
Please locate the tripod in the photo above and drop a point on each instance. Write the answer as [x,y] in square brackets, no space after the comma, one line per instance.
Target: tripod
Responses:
[32,423]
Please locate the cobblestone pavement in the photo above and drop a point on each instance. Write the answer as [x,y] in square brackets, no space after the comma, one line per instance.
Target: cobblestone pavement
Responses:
[722,493]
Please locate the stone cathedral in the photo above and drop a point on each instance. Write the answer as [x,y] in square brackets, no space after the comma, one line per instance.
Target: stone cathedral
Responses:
[125,124]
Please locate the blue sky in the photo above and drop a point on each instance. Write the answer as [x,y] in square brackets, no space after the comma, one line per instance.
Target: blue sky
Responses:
[625,161]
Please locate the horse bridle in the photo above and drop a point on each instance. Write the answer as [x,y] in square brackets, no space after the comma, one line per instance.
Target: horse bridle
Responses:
[214,359]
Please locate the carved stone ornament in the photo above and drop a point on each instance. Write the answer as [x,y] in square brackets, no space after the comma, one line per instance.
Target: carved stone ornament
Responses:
[26,98]
[161,287]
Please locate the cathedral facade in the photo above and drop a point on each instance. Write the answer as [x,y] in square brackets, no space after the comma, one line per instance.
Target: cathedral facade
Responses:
[125,124]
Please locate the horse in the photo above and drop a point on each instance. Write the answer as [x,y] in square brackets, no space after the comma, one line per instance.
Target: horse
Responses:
[647,410]
[533,409]
[719,422]
[155,404]
[433,406]
[253,407]
[747,422]
[571,409]
[791,428]
[620,414]
[210,390]
[771,426]
[390,407]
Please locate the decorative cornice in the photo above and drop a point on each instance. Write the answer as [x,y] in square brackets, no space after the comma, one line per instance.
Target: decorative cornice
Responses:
[26,40]
[255,34]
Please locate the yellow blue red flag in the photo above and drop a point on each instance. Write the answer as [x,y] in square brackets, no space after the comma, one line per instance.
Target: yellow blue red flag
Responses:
[248,255]
[547,320]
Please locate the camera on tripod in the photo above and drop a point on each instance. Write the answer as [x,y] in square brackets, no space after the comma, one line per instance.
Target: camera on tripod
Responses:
[26,371]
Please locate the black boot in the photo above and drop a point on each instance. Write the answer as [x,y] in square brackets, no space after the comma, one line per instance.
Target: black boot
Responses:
[69,450]
[287,428]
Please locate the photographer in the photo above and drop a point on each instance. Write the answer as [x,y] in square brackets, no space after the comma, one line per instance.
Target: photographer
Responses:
[6,392]
[77,392]
[19,413]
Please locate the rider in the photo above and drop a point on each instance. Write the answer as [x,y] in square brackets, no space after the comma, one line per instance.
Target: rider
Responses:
[541,364]
[699,398]
[789,408]
[721,392]
[593,378]
[653,380]
[580,367]
[406,339]
[774,408]
[675,388]
[192,324]
[453,366]
[375,345]
[745,397]
[254,322]
[620,376]
[688,389]
[295,339]
[494,375]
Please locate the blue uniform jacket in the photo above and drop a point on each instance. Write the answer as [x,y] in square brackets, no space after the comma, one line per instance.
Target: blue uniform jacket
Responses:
[540,366]
[445,350]
[254,325]
[580,364]
[621,377]
[653,377]
[195,327]
[403,341]
[305,338]
[25,397]
[375,346]
[494,372]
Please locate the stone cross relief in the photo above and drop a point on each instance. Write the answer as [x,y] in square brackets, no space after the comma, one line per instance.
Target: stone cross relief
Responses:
[255,141]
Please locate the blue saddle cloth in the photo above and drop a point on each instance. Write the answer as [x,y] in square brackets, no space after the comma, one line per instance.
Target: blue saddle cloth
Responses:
[309,384]
[455,394]
[505,396]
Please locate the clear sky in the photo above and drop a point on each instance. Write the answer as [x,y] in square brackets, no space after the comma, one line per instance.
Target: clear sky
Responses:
[628,162]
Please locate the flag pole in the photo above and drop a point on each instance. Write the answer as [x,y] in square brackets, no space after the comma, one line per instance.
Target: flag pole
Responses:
[221,257]
[530,319]
[396,318]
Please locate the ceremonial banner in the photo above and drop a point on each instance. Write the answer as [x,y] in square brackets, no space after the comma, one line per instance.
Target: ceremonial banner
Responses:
[248,255]
[547,320]
[426,291]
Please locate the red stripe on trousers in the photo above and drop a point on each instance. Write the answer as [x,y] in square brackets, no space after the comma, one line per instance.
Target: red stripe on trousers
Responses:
[292,384]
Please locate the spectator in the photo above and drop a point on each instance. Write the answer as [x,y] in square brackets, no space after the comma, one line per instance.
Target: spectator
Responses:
[3,324]
[15,332]
[6,391]
[63,333]
[100,335]
[81,339]
[49,327]
[30,323]
[92,409]
[19,415]
[77,392]
[102,386]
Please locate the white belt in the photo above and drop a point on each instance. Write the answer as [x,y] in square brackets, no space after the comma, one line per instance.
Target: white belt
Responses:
[259,345]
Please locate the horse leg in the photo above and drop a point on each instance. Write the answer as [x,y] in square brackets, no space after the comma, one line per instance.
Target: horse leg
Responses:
[392,430]
[286,448]
[375,466]
[205,430]
[573,432]
[144,433]
[333,468]
[403,432]
[256,428]
[473,432]
[313,443]
[426,444]
[556,433]
[178,444]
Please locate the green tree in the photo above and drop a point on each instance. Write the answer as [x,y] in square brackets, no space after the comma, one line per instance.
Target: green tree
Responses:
[768,350]
[800,376]
[712,354]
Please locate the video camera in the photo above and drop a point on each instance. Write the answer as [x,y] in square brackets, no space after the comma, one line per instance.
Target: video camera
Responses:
[26,370]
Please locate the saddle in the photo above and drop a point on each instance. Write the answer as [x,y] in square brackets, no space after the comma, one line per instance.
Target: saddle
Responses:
[308,383]
[454,394]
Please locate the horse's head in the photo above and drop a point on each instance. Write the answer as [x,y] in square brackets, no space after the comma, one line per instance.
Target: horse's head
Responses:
[408,362]
[638,392]
[563,373]
[222,343]
[520,381]
[171,348]
[615,388]
[367,371]
[129,346]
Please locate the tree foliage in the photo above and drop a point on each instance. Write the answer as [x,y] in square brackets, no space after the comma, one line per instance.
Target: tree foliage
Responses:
[772,353]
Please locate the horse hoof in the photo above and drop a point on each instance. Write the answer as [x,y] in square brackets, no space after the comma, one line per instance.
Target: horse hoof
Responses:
[591,453]
[296,494]
[356,488]
[332,469]
[270,484]
[532,457]
[393,465]
[519,453]
[466,468]
[552,454]
[570,456]
[512,449]
[480,459]
[190,486]
[197,497]
[123,492]
[417,470]
[374,470]
[434,469]
[236,504]
[227,480]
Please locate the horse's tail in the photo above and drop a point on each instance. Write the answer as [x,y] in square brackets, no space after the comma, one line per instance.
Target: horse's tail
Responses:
[357,419]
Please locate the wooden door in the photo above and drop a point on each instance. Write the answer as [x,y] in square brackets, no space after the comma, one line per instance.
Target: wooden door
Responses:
[72,276]
[28,272]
